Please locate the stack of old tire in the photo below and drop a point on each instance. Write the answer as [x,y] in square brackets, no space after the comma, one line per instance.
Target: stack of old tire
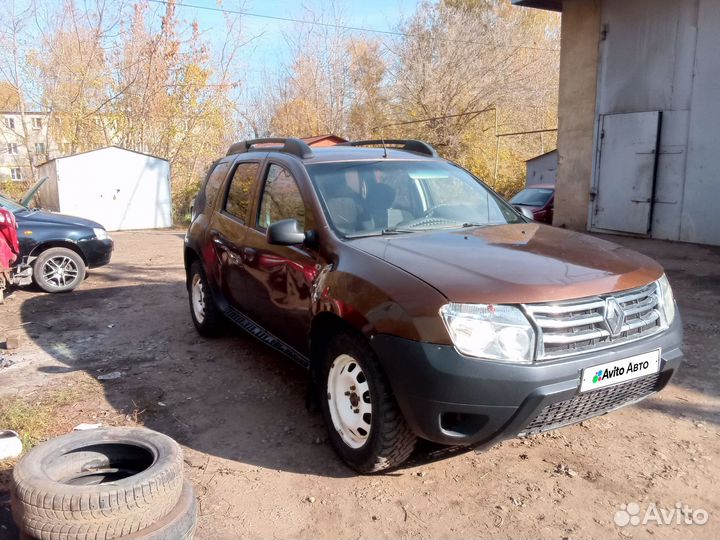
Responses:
[102,484]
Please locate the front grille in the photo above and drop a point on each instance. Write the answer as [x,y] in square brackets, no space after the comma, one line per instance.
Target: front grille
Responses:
[584,406]
[573,327]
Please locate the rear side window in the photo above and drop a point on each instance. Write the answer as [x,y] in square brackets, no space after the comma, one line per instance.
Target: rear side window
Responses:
[281,199]
[214,182]
[238,197]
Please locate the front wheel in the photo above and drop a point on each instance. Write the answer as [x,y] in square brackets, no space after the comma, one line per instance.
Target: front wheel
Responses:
[364,421]
[58,270]
[205,315]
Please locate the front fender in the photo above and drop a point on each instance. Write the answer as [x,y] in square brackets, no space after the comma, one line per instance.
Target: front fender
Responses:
[375,297]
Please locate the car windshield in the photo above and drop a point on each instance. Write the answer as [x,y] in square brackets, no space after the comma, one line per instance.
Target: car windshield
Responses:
[9,205]
[532,197]
[363,198]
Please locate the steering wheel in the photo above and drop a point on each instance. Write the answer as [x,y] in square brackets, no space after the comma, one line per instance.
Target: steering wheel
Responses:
[430,212]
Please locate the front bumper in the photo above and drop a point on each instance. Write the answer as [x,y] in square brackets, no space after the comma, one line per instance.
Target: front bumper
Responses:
[96,252]
[451,399]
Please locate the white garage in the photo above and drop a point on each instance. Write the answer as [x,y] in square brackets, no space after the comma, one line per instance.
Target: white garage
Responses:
[120,189]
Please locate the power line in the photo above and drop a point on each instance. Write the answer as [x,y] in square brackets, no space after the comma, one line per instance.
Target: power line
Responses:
[434,118]
[339,26]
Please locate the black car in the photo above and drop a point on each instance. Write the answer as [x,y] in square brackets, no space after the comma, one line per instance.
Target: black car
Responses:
[58,248]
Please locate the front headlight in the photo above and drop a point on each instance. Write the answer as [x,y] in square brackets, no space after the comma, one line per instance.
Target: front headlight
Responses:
[101,234]
[667,301]
[490,332]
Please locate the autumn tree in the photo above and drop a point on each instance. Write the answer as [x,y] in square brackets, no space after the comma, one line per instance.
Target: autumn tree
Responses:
[469,65]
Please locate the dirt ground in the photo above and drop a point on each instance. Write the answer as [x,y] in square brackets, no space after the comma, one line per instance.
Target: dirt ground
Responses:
[262,467]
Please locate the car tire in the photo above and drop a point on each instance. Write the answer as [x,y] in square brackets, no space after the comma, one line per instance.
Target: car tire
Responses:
[97,484]
[205,315]
[58,270]
[352,386]
[179,524]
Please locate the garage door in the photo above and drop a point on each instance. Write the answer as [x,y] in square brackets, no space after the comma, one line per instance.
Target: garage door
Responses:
[625,181]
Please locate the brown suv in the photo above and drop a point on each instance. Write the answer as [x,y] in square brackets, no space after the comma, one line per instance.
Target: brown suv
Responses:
[423,305]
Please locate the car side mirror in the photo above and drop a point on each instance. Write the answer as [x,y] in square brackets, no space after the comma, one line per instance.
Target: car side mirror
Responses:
[526,212]
[285,233]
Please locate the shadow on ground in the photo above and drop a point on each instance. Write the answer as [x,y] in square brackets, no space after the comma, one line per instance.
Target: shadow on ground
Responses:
[229,397]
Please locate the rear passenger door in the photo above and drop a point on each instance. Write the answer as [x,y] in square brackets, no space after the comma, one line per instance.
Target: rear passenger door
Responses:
[280,277]
[230,229]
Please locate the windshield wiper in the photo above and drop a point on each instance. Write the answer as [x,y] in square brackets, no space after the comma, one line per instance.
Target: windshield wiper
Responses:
[467,225]
[379,233]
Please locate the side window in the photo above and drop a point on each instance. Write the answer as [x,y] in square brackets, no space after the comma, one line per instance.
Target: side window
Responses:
[281,199]
[214,182]
[238,197]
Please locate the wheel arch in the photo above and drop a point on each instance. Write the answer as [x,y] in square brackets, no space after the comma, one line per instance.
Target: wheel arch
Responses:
[44,246]
[323,327]
[189,256]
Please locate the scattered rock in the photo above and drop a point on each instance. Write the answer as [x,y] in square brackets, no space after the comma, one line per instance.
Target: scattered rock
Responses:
[10,444]
[109,376]
[524,456]
[562,468]
[6,362]
[420,473]
[311,500]
[84,426]
[161,404]
[12,342]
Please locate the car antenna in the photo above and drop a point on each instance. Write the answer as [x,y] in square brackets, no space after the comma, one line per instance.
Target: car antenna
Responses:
[382,140]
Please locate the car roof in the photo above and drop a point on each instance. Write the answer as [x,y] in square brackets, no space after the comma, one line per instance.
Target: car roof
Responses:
[352,153]
[329,154]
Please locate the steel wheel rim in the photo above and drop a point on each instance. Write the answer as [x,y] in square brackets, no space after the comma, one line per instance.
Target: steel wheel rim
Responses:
[60,271]
[197,294]
[348,395]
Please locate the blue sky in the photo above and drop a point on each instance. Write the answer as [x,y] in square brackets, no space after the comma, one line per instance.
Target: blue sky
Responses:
[270,52]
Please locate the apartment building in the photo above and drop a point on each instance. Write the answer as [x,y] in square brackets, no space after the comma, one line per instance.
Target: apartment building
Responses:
[23,145]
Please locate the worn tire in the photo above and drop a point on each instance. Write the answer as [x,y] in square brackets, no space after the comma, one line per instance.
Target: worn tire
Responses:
[211,323]
[390,441]
[179,524]
[97,484]
[58,253]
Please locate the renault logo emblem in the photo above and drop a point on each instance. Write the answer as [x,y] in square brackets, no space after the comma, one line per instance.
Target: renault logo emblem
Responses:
[614,316]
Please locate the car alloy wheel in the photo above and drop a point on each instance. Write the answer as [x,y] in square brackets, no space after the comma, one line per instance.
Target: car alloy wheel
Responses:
[348,395]
[60,271]
[197,295]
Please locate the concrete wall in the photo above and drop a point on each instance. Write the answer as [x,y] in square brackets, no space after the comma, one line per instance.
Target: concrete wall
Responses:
[700,222]
[576,115]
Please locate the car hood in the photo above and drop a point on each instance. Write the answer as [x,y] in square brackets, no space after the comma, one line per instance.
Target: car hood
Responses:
[513,264]
[41,216]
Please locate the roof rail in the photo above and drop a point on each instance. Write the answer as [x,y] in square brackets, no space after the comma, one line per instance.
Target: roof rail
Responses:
[409,145]
[291,146]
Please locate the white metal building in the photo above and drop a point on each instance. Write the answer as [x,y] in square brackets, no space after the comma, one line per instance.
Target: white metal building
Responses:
[639,117]
[541,169]
[118,188]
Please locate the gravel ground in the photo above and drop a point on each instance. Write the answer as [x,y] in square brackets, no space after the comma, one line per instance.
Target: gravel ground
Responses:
[262,466]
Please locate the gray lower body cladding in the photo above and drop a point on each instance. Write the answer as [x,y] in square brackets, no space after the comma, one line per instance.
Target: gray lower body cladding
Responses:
[451,399]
